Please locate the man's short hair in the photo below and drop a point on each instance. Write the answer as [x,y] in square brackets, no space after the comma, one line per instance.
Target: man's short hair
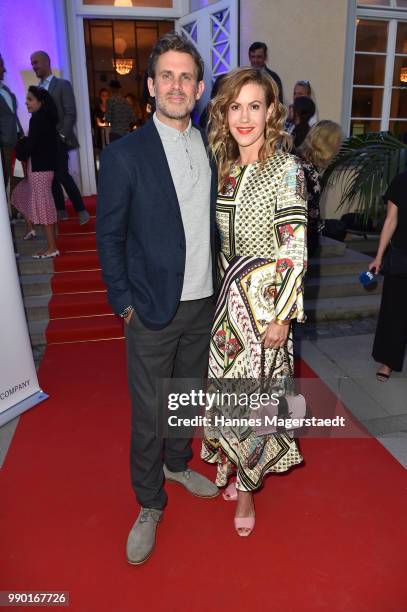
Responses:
[44,54]
[174,42]
[258,45]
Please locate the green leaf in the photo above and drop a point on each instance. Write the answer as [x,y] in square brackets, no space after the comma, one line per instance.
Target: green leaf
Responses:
[365,166]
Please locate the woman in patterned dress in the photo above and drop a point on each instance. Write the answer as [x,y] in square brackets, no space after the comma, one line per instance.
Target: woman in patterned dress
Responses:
[33,196]
[261,219]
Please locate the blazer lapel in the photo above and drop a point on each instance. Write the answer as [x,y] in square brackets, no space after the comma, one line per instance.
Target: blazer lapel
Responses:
[52,85]
[155,151]
[4,104]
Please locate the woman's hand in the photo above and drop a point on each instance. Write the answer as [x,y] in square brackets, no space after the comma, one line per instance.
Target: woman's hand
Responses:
[275,335]
[376,264]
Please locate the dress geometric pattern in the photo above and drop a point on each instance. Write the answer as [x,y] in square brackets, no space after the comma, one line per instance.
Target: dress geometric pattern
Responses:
[261,216]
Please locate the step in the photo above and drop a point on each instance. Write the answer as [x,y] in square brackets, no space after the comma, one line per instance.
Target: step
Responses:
[330,248]
[66,244]
[71,262]
[28,265]
[64,306]
[90,205]
[36,307]
[79,243]
[334,309]
[69,227]
[26,248]
[36,284]
[350,263]
[72,227]
[361,245]
[37,332]
[338,286]
[19,229]
[77,282]
[84,329]
[75,262]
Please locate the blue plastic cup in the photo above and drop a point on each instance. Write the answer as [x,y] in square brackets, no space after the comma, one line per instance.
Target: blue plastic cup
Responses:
[367,278]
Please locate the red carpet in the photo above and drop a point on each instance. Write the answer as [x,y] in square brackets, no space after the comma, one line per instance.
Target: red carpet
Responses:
[330,536]
[78,309]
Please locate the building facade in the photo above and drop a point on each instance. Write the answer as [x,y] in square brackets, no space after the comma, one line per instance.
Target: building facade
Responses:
[354,53]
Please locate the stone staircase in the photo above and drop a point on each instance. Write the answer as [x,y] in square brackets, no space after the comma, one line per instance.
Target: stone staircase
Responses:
[332,288]
[333,291]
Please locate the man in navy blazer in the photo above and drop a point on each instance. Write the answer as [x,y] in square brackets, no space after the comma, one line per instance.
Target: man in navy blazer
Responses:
[62,93]
[10,126]
[155,227]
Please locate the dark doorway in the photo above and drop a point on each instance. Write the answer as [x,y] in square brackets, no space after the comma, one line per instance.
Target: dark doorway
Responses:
[118,50]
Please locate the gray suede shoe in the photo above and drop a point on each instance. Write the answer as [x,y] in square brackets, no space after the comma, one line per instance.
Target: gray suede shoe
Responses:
[194,483]
[83,217]
[141,540]
[62,215]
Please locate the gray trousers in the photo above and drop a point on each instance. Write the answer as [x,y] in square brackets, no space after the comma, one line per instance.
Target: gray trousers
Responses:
[180,350]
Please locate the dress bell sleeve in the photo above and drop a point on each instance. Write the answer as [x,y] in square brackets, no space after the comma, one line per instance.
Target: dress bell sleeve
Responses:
[290,239]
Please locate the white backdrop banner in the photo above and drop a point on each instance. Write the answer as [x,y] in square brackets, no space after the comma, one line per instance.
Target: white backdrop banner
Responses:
[19,388]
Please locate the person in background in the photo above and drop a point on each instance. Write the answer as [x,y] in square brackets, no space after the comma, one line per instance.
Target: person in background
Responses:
[203,119]
[303,110]
[33,196]
[262,217]
[321,144]
[301,89]
[10,127]
[119,113]
[150,108]
[99,116]
[391,332]
[258,56]
[61,92]
[132,100]
[99,112]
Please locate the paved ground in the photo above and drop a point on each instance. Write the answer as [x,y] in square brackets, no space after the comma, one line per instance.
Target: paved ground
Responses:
[345,363]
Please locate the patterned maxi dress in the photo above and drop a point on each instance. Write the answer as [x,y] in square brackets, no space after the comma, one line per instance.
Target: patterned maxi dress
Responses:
[261,216]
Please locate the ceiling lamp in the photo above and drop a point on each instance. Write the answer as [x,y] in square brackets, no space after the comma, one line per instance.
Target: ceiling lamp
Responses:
[403,74]
[123,3]
[123,65]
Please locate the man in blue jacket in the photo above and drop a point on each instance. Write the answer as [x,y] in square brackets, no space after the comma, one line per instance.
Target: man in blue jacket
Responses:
[155,228]
[10,127]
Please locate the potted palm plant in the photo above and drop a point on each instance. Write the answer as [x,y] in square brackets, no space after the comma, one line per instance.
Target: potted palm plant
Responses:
[365,165]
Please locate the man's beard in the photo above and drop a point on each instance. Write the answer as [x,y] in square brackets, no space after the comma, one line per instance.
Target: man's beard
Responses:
[164,107]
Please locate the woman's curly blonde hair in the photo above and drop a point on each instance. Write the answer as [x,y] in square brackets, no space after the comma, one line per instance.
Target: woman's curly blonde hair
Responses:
[222,144]
[322,143]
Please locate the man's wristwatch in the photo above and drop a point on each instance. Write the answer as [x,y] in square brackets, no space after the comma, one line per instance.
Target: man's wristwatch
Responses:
[125,313]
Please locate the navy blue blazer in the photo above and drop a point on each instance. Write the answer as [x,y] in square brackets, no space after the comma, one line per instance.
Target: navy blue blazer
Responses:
[139,230]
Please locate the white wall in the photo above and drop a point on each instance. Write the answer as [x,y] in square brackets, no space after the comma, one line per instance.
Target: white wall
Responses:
[25,28]
[306,40]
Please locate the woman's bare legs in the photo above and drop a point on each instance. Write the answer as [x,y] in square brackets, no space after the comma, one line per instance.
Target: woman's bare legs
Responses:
[383,373]
[50,234]
[29,227]
[245,508]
